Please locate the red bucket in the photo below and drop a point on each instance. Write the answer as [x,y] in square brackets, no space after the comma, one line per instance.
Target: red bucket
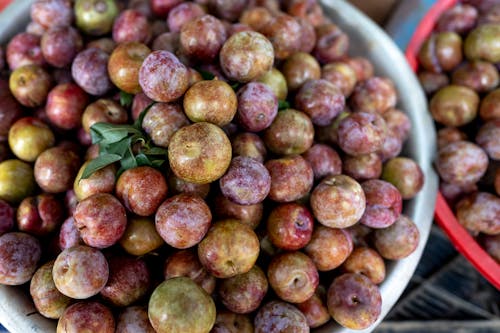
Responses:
[459,236]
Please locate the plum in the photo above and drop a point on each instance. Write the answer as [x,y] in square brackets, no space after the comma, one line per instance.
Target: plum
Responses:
[86,316]
[278,316]
[329,247]
[397,241]
[19,256]
[140,236]
[134,319]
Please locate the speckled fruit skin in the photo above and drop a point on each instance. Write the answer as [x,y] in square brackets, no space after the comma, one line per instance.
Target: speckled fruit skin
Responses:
[55,169]
[162,120]
[246,55]
[101,181]
[229,248]
[328,201]
[397,241]
[293,276]
[354,301]
[480,212]
[199,153]
[490,106]
[80,272]
[86,316]
[257,106]
[129,280]
[202,38]
[43,12]
[186,263]
[183,220]
[17,181]
[324,160]
[156,67]
[250,215]
[405,174]
[246,182]
[329,247]
[65,105]
[40,215]
[7,216]
[278,316]
[124,64]
[213,101]
[230,322]
[290,226]
[461,163]
[19,256]
[361,133]
[29,137]
[103,110]
[243,293]
[140,236]
[383,203]
[141,190]
[90,71]
[482,43]
[366,261]
[101,219]
[179,305]
[95,17]
[49,301]
[454,105]
[292,178]
[134,319]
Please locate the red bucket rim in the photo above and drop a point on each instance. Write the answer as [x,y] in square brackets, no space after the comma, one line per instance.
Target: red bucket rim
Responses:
[458,235]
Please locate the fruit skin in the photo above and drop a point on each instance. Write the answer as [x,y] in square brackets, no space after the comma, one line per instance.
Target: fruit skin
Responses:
[397,241]
[7,216]
[442,51]
[141,190]
[134,319]
[65,105]
[328,201]
[183,220]
[17,181]
[19,256]
[40,215]
[461,163]
[366,261]
[483,43]
[101,219]
[230,322]
[278,316]
[199,153]
[95,17]
[454,105]
[179,305]
[246,55]
[49,301]
[140,236]
[29,137]
[86,316]
[329,247]
[354,301]
[80,272]
[405,174]
[244,293]
[186,263]
[212,101]
[56,168]
[293,276]
[229,248]
[90,71]
[480,212]
[124,64]
[30,85]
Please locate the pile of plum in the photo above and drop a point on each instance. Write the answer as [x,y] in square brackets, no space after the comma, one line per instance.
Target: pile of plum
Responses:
[459,70]
[204,166]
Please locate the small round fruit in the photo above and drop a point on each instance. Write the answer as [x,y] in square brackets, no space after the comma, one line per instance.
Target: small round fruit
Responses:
[405,174]
[87,316]
[246,55]
[30,85]
[454,105]
[49,301]
[17,181]
[101,181]
[140,236]
[95,17]
[199,153]
[55,169]
[179,305]
[257,106]
[29,137]
[482,43]
[90,71]
[328,201]
[213,101]
[134,319]
[480,212]
[141,189]
[183,220]
[366,261]
[329,247]
[229,248]
[80,272]
[157,66]
[397,241]
[124,64]
[19,256]
[354,301]
[230,322]
[278,317]
[65,105]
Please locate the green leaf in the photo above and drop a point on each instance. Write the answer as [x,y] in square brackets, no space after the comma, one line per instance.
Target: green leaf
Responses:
[206,75]
[101,161]
[128,160]
[106,133]
[282,105]
[142,160]
[118,148]
[138,122]
[157,163]
[156,151]
[126,99]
